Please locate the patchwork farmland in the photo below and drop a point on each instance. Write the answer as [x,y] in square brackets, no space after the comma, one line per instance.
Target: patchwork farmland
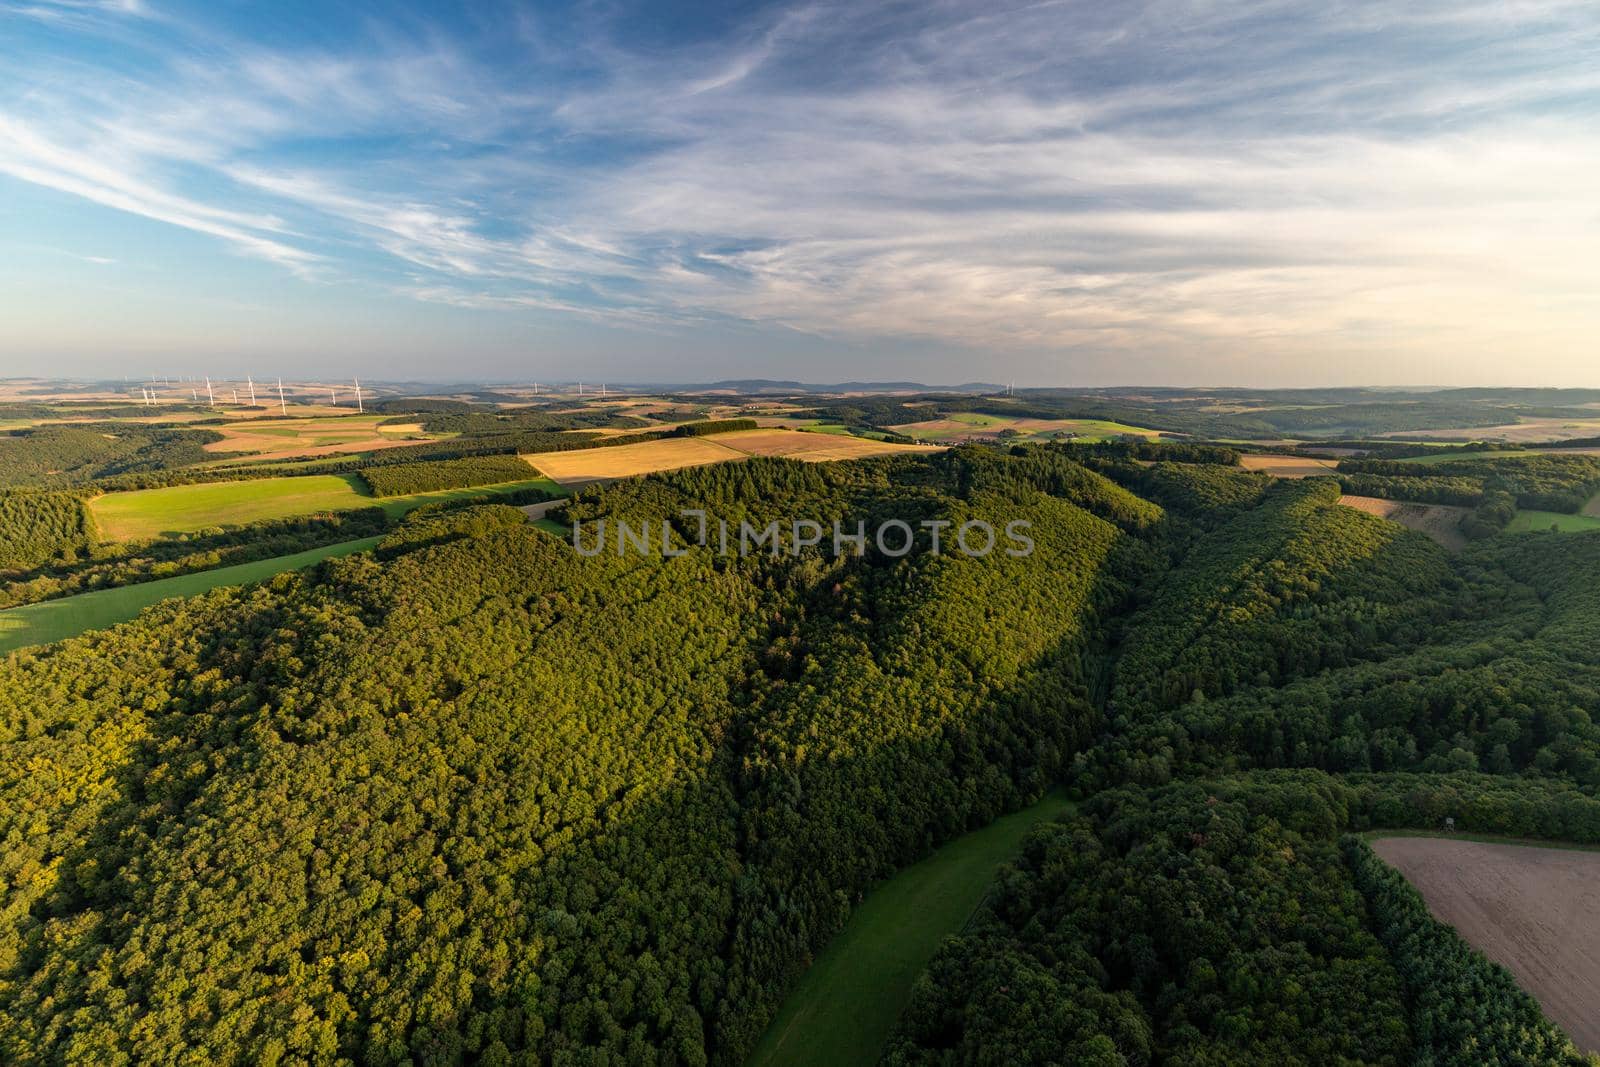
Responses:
[674,453]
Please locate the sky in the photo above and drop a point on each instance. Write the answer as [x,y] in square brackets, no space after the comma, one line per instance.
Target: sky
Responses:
[1081,192]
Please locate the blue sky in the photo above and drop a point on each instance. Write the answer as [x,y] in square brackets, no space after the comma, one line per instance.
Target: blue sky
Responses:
[1184,191]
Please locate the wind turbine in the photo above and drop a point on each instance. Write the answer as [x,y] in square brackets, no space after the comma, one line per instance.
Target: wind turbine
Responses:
[282,404]
[252,383]
[211,398]
[360,410]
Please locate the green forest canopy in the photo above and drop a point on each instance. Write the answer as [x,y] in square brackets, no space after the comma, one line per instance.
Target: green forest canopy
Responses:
[474,797]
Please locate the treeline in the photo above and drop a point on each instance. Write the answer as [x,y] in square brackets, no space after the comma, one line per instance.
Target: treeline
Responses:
[1158,452]
[1465,1008]
[711,426]
[38,527]
[487,423]
[92,566]
[409,478]
[1398,448]
[1541,482]
[1222,921]
[1428,488]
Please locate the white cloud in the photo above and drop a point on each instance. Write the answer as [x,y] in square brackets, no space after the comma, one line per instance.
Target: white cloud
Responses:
[1277,176]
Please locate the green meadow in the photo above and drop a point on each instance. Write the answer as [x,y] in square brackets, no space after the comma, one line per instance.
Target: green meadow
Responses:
[148,513]
[1543,521]
[54,620]
[846,1004]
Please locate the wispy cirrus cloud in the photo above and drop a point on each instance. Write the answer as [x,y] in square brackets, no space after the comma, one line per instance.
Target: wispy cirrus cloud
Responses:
[1281,177]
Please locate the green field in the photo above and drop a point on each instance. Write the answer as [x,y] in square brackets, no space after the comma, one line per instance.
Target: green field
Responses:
[844,1007]
[980,420]
[53,620]
[1542,521]
[148,513]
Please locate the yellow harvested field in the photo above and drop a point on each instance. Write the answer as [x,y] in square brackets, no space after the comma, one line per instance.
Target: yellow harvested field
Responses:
[1440,522]
[811,446]
[279,439]
[1288,466]
[625,461]
[673,453]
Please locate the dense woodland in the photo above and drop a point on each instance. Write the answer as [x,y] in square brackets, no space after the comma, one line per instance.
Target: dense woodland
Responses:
[40,526]
[64,455]
[1217,922]
[475,798]
[408,478]
[1542,482]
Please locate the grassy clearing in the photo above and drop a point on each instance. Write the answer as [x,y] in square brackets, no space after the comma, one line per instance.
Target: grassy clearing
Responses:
[1544,521]
[55,620]
[147,513]
[844,1007]
[144,513]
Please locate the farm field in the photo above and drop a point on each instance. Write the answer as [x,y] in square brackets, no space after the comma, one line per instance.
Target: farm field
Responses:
[674,453]
[812,447]
[973,426]
[1526,432]
[1543,521]
[1437,521]
[624,461]
[145,513]
[845,1005]
[56,620]
[273,439]
[1533,910]
[1288,466]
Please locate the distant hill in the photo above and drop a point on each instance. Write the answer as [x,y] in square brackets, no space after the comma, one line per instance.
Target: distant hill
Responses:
[765,385]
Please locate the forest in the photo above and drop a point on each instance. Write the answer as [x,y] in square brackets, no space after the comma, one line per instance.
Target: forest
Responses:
[472,797]
[404,478]
[40,526]
[57,456]
[1215,922]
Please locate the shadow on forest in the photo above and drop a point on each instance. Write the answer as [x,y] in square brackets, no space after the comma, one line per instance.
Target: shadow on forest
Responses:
[667,923]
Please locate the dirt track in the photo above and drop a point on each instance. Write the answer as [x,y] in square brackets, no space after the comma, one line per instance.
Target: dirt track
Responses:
[1535,910]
